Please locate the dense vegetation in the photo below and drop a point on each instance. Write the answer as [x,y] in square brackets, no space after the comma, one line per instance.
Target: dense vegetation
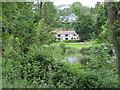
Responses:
[32,58]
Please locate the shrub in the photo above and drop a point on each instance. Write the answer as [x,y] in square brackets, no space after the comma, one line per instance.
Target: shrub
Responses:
[72,41]
[38,69]
[99,57]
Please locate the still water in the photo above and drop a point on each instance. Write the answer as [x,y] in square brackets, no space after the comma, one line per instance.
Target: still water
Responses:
[74,60]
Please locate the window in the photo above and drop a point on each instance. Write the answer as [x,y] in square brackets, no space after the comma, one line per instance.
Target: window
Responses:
[74,35]
[58,38]
[58,35]
[66,34]
[66,38]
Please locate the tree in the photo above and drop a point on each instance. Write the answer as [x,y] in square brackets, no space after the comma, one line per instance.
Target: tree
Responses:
[16,23]
[113,9]
[76,8]
[101,18]
[49,13]
[70,8]
[25,29]
[85,27]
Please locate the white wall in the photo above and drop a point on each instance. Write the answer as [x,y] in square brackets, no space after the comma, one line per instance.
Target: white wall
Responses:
[63,37]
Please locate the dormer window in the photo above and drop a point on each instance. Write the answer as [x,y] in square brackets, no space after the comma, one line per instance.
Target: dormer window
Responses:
[74,35]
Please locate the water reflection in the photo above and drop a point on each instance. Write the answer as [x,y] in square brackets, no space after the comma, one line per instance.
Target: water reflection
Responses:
[74,60]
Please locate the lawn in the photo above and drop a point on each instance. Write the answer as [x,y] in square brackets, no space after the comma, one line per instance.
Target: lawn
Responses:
[76,45]
[79,45]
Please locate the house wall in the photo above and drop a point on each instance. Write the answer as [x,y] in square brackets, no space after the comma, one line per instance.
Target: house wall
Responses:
[69,37]
[71,19]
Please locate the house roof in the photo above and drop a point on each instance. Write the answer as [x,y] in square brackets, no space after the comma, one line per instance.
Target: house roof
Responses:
[72,17]
[65,32]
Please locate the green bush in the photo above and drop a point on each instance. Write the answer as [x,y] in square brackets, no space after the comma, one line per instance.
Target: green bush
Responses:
[42,67]
[99,57]
[51,74]
[38,69]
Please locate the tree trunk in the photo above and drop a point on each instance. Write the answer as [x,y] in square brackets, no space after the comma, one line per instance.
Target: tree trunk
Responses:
[112,16]
[41,8]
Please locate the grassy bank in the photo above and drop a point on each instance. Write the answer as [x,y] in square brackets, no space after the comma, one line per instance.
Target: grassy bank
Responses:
[75,45]
[79,45]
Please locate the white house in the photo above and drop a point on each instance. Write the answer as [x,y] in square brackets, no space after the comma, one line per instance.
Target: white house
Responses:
[66,35]
[71,18]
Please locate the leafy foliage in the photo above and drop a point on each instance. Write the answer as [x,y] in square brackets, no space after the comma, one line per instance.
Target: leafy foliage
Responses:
[97,59]
[29,61]
[50,14]
[84,28]
[39,69]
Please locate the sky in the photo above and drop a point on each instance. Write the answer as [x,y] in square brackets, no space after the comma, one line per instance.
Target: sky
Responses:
[89,3]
